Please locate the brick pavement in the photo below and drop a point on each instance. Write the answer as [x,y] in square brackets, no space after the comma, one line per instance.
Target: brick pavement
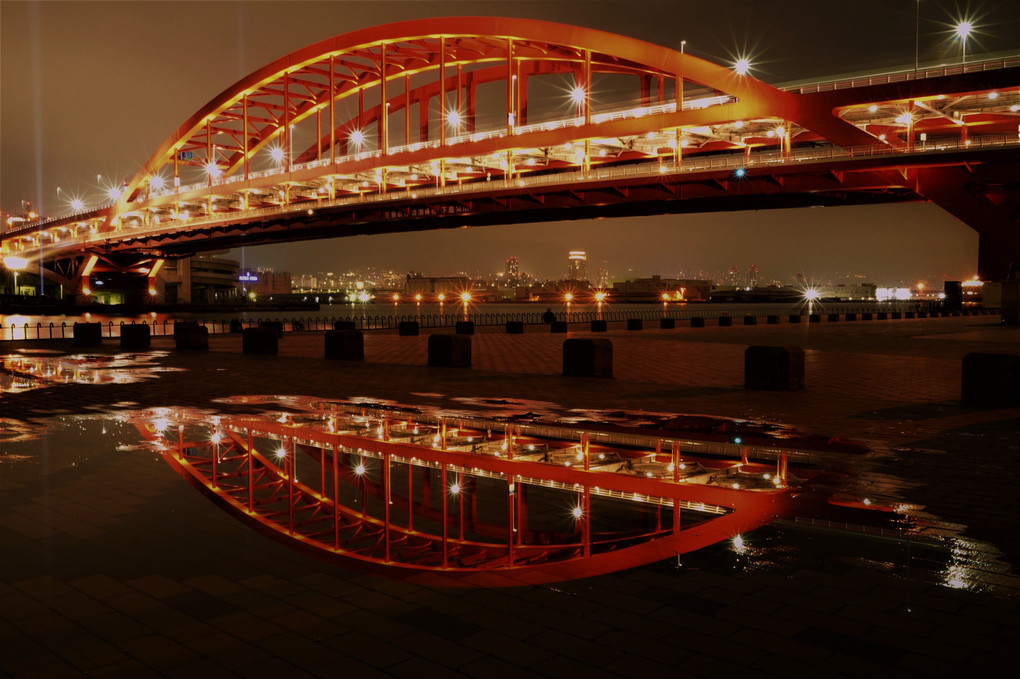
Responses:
[112,567]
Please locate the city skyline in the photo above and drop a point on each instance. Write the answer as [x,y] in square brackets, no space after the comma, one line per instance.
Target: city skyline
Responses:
[53,154]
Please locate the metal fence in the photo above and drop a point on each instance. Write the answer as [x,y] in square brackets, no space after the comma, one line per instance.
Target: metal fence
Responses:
[65,330]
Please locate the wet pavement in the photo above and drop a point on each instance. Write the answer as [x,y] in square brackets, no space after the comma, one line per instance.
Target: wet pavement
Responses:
[112,566]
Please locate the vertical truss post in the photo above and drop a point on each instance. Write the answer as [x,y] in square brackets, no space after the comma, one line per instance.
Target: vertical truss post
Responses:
[214,456]
[384,111]
[386,503]
[332,111]
[251,474]
[460,497]
[244,142]
[410,495]
[322,472]
[336,497]
[510,81]
[407,109]
[442,92]
[676,479]
[292,464]
[586,520]
[510,527]
[286,120]
[460,89]
[446,516]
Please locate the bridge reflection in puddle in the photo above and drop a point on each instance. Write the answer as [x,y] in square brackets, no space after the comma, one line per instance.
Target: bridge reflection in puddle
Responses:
[463,501]
[98,458]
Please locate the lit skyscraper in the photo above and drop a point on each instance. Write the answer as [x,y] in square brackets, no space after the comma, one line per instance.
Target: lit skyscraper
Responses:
[512,273]
[577,266]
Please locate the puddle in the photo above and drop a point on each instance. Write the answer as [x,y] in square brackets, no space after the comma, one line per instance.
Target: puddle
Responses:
[852,516]
[27,370]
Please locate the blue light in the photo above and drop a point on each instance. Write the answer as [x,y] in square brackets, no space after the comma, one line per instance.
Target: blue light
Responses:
[738,440]
[740,172]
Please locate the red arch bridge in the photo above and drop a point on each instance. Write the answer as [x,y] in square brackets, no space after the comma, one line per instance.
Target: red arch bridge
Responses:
[470,121]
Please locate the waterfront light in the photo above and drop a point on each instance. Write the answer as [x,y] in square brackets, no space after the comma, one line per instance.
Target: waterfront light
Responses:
[577,512]
[740,172]
[600,296]
[360,469]
[454,488]
[742,66]
[811,294]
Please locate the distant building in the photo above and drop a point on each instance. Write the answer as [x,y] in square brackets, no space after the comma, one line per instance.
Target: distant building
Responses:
[652,289]
[435,285]
[733,276]
[271,283]
[512,274]
[753,276]
[577,266]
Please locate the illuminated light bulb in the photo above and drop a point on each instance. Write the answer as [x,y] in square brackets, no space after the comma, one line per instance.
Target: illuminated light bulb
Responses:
[993,95]
[742,66]
[576,511]
[357,137]
[455,488]
[276,153]
[360,469]
[739,124]
[577,95]
[77,204]
[738,542]
[454,117]
[113,193]
[873,108]
[281,453]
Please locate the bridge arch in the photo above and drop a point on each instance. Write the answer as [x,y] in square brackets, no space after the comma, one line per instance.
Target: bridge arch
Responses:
[342,86]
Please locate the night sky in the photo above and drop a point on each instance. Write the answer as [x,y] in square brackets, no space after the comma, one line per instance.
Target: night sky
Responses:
[92,88]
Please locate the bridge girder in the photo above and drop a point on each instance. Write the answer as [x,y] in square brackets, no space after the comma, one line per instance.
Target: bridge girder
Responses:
[687,110]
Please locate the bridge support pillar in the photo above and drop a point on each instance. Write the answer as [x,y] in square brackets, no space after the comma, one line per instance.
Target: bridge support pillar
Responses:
[981,201]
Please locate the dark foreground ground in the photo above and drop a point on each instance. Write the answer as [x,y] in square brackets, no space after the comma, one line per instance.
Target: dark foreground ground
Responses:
[111,566]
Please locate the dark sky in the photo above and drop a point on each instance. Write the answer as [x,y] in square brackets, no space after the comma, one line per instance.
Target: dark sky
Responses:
[91,88]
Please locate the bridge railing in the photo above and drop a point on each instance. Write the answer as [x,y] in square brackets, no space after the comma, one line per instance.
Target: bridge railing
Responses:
[64,330]
[904,75]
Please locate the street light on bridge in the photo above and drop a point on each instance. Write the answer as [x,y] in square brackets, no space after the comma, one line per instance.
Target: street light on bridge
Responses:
[963,31]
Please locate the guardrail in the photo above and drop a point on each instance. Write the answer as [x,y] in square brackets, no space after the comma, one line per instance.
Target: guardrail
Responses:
[65,330]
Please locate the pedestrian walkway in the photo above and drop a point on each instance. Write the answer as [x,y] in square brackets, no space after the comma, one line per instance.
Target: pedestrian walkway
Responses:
[112,566]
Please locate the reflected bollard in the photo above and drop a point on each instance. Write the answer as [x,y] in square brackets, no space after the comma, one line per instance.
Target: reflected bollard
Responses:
[990,380]
[85,334]
[584,357]
[345,345]
[135,336]
[261,340]
[450,351]
[191,337]
[769,368]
